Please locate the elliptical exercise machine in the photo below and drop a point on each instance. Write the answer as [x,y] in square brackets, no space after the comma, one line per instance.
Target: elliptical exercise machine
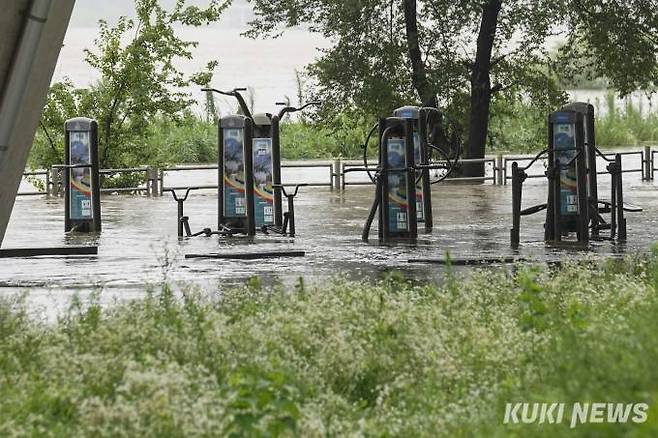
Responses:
[406,157]
[573,204]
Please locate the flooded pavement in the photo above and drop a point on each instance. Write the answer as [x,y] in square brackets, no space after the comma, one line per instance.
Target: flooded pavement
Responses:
[139,246]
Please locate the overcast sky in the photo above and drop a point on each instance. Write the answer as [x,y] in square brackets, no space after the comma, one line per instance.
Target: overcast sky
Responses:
[88,12]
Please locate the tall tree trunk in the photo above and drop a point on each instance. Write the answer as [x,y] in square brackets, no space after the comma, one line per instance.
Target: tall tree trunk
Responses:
[481,88]
[419,73]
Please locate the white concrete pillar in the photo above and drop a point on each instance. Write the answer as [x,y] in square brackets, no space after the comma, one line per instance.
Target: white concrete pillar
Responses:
[37,69]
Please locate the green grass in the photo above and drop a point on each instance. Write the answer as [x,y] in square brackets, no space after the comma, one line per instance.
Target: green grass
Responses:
[514,128]
[630,127]
[521,128]
[391,358]
[301,141]
[191,141]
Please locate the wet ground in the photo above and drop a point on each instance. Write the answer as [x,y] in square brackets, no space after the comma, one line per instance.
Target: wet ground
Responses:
[139,246]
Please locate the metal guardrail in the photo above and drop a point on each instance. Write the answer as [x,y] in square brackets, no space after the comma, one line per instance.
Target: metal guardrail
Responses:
[646,168]
[355,166]
[53,181]
[651,164]
[289,165]
[129,170]
[338,170]
[47,183]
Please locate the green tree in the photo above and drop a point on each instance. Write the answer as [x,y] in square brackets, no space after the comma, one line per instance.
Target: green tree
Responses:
[614,39]
[139,81]
[462,54]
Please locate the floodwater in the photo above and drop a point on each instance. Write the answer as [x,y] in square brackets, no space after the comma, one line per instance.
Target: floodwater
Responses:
[139,246]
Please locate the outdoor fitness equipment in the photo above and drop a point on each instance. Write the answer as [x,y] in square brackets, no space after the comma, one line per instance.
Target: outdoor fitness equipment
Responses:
[573,205]
[268,188]
[249,174]
[82,211]
[406,155]
[82,208]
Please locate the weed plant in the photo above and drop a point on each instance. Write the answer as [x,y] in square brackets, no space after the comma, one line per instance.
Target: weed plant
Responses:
[390,358]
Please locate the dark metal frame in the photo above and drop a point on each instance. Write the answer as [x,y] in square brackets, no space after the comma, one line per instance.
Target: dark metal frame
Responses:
[287,227]
[238,224]
[277,184]
[398,127]
[87,226]
[556,223]
[284,222]
[419,117]
[407,121]
[589,222]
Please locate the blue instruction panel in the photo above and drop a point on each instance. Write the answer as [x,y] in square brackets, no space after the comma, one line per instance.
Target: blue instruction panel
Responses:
[235,204]
[564,146]
[263,177]
[80,178]
[398,204]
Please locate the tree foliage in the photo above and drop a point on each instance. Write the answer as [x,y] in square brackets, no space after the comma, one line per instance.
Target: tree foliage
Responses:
[369,64]
[613,39]
[472,52]
[139,81]
[366,66]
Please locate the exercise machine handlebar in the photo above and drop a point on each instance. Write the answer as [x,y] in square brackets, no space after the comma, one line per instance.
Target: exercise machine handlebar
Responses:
[288,225]
[283,189]
[291,109]
[234,93]
[184,198]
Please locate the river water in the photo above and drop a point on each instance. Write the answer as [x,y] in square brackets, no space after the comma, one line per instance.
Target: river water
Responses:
[266,66]
[139,246]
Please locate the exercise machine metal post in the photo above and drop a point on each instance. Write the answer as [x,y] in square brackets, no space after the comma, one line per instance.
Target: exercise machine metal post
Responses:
[82,207]
[235,194]
[82,211]
[236,176]
[268,187]
[573,205]
[567,207]
[184,228]
[397,181]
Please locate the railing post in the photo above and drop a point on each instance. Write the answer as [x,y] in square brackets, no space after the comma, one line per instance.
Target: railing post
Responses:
[504,171]
[647,174]
[342,176]
[152,182]
[517,192]
[621,220]
[149,183]
[47,182]
[332,171]
[336,174]
[498,170]
[56,181]
[161,173]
